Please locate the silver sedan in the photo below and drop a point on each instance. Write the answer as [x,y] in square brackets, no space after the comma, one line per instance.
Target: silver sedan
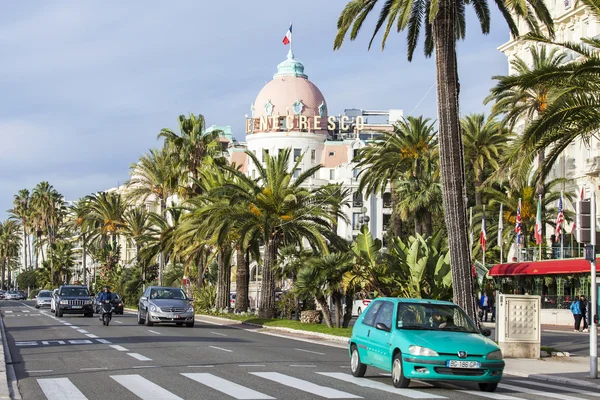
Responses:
[160,304]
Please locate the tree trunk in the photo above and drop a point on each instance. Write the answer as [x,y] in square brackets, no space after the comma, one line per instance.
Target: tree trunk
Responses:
[426,225]
[222,292]
[539,190]
[24,247]
[451,156]
[9,277]
[241,281]
[349,304]
[322,302]
[478,195]
[337,301]
[395,217]
[3,273]
[267,285]
[84,262]
[161,263]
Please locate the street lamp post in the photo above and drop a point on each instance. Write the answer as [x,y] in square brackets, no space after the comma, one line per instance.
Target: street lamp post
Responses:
[365,218]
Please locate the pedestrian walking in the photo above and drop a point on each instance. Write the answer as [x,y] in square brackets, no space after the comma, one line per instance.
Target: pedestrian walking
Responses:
[583,306]
[576,310]
[484,304]
[492,304]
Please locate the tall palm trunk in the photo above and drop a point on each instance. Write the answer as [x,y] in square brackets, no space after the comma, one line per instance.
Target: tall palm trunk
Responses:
[161,262]
[9,277]
[3,273]
[24,247]
[222,278]
[267,285]
[322,302]
[427,227]
[477,182]
[337,302]
[84,261]
[451,156]
[395,217]
[540,190]
[241,281]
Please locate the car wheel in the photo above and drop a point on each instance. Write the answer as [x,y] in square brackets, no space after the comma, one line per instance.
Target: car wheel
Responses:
[189,324]
[37,306]
[397,372]
[148,322]
[488,387]
[59,314]
[140,320]
[356,366]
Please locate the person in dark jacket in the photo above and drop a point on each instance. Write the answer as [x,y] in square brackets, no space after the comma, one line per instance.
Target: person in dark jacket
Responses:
[583,306]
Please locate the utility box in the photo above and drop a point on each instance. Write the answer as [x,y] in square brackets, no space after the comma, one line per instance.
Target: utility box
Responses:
[519,325]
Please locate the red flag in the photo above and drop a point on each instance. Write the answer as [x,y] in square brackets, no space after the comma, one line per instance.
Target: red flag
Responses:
[287,39]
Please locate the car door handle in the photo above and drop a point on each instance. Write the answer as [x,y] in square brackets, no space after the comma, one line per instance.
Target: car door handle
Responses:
[368,332]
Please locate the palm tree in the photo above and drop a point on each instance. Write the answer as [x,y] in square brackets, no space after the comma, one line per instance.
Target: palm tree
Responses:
[192,149]
[392,155]
[21,211]
[154,177]
[445,23]
[484,141]
[9,245]
[519,104]
[276,209]
[64,260]
[80,223]
[138,229]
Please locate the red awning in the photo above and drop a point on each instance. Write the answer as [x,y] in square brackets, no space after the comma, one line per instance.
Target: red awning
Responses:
[566,266]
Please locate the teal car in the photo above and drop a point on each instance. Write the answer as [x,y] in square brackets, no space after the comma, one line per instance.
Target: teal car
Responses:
[424,340]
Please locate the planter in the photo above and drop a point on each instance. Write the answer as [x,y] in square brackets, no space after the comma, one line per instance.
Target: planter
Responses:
[311,317]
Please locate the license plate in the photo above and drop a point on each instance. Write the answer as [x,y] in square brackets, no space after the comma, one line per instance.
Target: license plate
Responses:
[76,306]
[173,316]
[462,364]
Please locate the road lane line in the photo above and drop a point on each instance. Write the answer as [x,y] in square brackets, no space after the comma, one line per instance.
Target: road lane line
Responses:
[227,387]
[60,389]
[25,311]
[8,312]
[310,351]
[556,387]
[139,357]
[91,335]
[200,366]
[93,369]
[220,348]
[104,341]
[305,386]
[117,347]
[519,389]
[39,371]
[158,333]
[367,383]
[26,343]
[303,366]
[75,327]
[143,388]
[251,365]
[218,334]
[496,396]
[118,322]
[67,324]
[145,366]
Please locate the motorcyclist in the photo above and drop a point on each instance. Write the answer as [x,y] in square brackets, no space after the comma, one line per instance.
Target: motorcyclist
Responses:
[104,297]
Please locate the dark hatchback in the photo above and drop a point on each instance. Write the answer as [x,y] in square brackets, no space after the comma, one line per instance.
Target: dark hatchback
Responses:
[115,300]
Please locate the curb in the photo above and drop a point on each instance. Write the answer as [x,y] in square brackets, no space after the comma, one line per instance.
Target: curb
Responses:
[554,379]
[7,390]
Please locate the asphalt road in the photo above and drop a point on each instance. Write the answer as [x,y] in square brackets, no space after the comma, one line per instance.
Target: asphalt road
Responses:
[77,358]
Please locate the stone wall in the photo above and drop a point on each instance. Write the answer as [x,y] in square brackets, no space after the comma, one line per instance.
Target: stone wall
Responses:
[311,317]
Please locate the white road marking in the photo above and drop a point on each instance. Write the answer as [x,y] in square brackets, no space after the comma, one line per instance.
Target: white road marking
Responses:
[39,371]
[227,387]
[118,322]
[25,343]
[536,392]
[556,387]
[93,369]
[82,331]
[83,341]
[8,311]
[104,341]
[367,383]
[117,347]
[67,324]
[497,396]
[200,366]
[310,351]
[219,348]
[305,386]
[52,341]
[143,388]
[139,357]
[26,311]
[303,366]
[74,327]
[158,333]
[218,334]
[251,365]
[91,335]
[60,389]
[145,366]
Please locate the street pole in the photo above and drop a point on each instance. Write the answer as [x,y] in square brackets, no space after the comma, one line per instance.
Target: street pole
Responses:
[594,305]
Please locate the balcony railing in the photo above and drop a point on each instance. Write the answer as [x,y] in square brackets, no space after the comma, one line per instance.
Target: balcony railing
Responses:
[549,253]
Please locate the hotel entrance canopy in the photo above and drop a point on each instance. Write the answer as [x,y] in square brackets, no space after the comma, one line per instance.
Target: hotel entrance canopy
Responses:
[550,267]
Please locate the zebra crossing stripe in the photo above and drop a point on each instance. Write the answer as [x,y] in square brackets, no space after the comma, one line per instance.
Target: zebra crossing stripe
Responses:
[60,389]
[143,388]
[224,386]
[367,383]
[537,392]
[305,386]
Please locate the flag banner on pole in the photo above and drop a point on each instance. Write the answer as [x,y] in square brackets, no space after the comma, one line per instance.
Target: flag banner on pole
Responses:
[500,227]
[471,233]
[560,218]
[482,235]
[538,222]
[518,223]
[287,39]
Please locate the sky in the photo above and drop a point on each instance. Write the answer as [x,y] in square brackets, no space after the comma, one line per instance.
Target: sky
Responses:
[87,85]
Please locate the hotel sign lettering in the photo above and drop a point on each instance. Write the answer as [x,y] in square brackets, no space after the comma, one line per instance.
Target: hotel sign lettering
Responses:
[301,122]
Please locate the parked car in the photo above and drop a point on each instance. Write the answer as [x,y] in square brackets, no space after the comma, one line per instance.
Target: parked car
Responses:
[115,300]
[361,302]
[73,299]
[160,304]
[43,299]
[53,301]
[424,340]
[2,294]
[12,295]
[22,294]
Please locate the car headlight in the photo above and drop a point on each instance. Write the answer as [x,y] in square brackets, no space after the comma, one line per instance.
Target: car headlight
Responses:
[421,351]
[191,309]
[494,355]
[64,302]
[152,307]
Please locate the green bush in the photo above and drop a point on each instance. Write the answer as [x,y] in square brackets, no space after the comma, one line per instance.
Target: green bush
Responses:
[205,298]
[27,279]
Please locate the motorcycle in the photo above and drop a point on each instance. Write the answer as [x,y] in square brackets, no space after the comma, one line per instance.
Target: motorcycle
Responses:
[106,312]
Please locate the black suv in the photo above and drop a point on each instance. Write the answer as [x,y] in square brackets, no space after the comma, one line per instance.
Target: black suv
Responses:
[74,299]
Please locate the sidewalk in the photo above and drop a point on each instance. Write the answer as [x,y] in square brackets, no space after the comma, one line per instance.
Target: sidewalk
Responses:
[566,370]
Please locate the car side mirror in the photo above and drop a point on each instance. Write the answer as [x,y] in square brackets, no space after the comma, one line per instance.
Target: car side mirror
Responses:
[143,298]
[382,327]
[486,332]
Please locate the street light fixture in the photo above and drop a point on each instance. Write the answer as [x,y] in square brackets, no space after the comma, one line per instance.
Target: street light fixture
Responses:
[365,218]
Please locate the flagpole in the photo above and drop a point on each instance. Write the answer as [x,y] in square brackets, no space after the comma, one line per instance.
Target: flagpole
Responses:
[500,232]
[483,230]
[471,233]
[291,40]
[562,233]
[519,234]
[541,230]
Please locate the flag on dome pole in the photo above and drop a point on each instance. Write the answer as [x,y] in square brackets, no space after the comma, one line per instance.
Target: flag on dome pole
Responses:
[482,235]
[287,39]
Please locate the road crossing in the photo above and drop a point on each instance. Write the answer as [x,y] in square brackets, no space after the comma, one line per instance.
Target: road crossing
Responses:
[60,388]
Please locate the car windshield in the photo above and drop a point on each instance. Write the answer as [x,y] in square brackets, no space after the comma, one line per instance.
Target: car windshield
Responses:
[45,294]
[12,292]
[166,294]
[427,316]
[75,292]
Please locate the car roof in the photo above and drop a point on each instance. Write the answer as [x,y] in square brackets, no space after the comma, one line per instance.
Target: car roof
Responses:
[162,287]
[418,301]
